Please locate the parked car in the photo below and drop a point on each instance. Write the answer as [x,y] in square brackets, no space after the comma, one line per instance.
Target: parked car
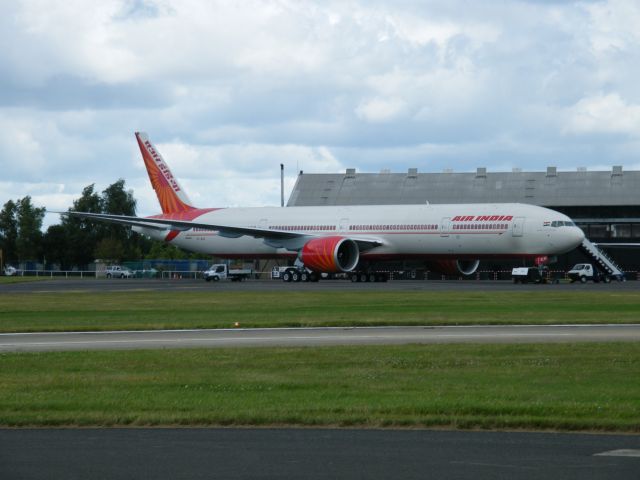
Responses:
[116,271]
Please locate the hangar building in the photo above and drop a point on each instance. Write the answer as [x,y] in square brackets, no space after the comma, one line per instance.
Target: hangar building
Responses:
[605,204]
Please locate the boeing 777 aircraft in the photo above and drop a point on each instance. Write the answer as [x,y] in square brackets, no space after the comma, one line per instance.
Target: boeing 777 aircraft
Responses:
[452,238]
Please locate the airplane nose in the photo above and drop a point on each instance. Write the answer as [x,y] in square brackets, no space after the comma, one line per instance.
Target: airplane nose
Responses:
[577,236]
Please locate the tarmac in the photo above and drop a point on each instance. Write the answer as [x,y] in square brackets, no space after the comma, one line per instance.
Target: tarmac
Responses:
[314,454]
[314,337]
[55,285]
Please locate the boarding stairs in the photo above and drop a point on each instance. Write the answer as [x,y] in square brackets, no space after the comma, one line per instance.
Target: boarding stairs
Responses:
[601,259]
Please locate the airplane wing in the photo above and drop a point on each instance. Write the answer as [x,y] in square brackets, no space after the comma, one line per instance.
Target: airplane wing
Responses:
[275,238]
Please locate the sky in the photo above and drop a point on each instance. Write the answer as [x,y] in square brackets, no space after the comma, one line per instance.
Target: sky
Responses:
[228,90]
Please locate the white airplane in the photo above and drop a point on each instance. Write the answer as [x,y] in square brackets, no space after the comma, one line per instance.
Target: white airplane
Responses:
[451,238]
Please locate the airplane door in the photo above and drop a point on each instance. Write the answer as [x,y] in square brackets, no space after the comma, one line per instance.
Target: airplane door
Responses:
[344,225]
[445,226]
[263,223]
[518,227]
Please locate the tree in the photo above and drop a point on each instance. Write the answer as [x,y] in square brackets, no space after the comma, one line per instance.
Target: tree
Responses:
[162,250]
[29,219]
[55,245]
[110,248]
[118,201]
[89,239]
[82,235]
[9,232]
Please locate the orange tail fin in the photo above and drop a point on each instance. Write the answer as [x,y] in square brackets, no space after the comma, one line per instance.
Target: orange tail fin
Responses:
[171,196]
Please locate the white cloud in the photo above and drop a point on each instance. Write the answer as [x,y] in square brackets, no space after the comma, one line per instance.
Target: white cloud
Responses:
[614,26]
[603,114]
[381,109]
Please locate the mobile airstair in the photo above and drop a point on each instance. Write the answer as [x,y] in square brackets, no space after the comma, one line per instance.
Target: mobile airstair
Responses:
[601,259]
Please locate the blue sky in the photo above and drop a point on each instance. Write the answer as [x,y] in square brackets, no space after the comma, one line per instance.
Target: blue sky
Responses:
[228,90]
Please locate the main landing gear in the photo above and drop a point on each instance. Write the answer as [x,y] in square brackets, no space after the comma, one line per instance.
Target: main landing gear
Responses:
[368,277]
[295,275]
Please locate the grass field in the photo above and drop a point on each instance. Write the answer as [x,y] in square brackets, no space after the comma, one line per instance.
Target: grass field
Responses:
[156,310]
[551,386]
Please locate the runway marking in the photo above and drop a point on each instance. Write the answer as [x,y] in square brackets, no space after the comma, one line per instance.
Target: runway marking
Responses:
[311,337]
[625,452]
[276,339]
[430,328]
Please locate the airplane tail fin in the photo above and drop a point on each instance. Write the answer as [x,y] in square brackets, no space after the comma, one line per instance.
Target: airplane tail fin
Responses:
[171,196]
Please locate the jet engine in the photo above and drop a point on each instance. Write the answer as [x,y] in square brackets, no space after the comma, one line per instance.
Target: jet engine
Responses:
[454,267]
[330,254]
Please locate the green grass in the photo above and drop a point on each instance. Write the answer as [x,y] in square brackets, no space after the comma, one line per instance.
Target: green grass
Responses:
[81,311]
[551,386]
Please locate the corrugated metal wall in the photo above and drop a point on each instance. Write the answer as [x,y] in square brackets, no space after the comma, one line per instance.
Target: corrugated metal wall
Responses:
[550,188]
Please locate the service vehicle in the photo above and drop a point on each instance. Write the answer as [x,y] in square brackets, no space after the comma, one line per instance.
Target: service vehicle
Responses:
[221,271]
[584,272]
[530,275]
[117,271]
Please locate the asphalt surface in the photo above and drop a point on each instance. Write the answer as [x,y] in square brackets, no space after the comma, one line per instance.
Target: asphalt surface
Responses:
[299,337]
[119,285]
[311,454]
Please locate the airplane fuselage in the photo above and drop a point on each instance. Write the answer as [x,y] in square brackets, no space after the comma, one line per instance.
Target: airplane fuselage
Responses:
[403,231]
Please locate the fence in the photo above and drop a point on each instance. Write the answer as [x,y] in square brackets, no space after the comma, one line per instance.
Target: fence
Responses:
[491,275]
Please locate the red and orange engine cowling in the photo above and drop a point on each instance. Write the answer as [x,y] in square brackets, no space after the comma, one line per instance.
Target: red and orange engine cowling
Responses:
[454,267]
[330,254]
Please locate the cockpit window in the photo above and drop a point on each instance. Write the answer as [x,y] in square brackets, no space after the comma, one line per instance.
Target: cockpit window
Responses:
[562,223]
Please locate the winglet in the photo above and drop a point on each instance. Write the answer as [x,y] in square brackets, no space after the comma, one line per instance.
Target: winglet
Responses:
[171,196]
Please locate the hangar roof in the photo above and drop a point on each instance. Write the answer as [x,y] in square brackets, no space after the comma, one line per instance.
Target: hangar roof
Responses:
[550,188]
